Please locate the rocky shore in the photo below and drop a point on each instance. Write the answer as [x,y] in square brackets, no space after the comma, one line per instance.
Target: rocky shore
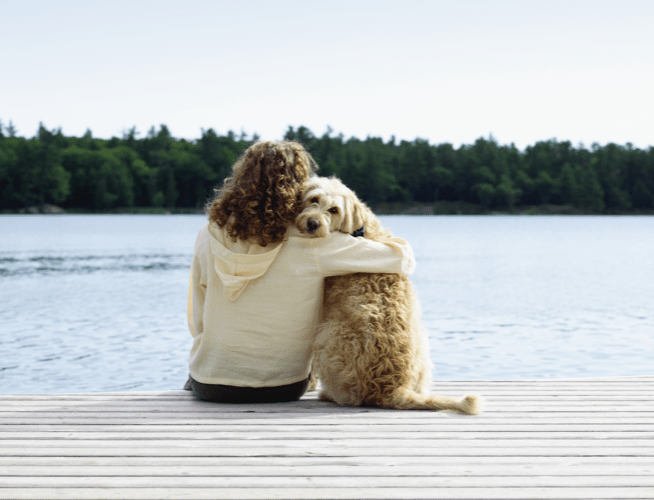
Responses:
[37,209]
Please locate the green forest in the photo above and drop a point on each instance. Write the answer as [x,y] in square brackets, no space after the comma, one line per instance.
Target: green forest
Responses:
[160,171]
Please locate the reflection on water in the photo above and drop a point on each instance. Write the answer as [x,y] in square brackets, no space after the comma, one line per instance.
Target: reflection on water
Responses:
[97,303]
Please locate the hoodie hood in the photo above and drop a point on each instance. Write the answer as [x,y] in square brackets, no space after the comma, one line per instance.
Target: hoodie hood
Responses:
[238,263]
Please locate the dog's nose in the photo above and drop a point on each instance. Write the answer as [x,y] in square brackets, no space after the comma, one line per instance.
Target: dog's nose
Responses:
[312,224]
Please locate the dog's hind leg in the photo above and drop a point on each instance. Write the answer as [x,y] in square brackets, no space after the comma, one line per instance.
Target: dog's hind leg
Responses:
[337,393]
[406,399]
[313,382]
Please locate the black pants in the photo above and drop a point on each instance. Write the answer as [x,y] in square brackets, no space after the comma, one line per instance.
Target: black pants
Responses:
[233,394]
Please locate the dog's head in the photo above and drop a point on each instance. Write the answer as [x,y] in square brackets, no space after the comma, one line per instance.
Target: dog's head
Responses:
[329,206]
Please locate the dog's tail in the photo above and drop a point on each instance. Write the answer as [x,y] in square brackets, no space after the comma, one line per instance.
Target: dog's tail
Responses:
[406,399]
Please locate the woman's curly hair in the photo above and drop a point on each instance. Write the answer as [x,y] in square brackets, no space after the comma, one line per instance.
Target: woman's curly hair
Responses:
[262,197]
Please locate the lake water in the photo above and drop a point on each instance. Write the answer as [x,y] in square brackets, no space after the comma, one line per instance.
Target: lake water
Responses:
[92,303]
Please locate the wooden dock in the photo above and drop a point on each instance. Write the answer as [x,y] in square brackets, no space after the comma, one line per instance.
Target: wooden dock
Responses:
[588,438]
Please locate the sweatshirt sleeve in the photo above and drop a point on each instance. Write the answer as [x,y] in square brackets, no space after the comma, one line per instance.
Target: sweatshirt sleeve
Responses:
[341,253]
[197,291]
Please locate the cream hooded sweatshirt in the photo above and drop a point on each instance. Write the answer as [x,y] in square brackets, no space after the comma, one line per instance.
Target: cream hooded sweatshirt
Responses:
[253,311]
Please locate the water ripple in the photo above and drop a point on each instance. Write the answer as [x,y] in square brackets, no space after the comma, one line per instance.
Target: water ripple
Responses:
[41,265]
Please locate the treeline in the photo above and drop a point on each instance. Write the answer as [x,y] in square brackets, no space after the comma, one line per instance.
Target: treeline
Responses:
[161,171]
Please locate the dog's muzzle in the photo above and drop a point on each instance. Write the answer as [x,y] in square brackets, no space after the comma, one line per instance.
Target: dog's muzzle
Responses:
[359,232]
[312,224]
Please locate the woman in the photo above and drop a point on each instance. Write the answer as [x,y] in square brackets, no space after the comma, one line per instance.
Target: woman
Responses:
[256,281]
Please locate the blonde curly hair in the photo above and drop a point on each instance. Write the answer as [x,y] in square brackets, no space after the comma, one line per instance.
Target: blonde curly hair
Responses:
[262,197]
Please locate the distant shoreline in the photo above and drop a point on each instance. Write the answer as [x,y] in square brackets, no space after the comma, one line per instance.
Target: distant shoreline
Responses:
[464,208]
[435,208]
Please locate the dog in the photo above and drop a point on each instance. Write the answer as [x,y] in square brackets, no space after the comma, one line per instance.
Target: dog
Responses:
[370,349]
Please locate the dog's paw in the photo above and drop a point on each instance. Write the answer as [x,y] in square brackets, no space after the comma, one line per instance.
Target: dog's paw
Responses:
[313,385]
[325,396]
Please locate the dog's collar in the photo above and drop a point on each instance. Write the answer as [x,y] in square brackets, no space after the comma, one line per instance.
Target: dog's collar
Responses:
[359,232]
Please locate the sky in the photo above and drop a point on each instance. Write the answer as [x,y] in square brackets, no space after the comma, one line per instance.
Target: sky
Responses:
[521,71]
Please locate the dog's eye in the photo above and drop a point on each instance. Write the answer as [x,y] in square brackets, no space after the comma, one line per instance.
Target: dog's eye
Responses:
[313,200]
[333,210]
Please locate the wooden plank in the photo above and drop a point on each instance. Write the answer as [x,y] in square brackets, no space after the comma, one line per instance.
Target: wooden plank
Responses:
[510,400]
[514,403]
[505,396]
[507,388]
[171,450]
[7,446]
[572,380]
[221,481]
[448,382]
[505,393]
[155,493]
[497,388]
[497,408]
[630,472]
[581,419]
[491,407]
[502,396]
[622,414]
[436,384]
[287,432]
[381,460]
[333,426]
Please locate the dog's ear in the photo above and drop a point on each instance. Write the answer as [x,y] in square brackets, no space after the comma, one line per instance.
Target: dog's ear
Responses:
[352,216]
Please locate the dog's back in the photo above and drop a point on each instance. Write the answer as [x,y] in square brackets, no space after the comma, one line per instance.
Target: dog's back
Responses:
[370,337]
[370,349]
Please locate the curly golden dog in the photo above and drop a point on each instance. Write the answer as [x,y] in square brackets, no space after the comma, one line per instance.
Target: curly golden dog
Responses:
[369,349]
